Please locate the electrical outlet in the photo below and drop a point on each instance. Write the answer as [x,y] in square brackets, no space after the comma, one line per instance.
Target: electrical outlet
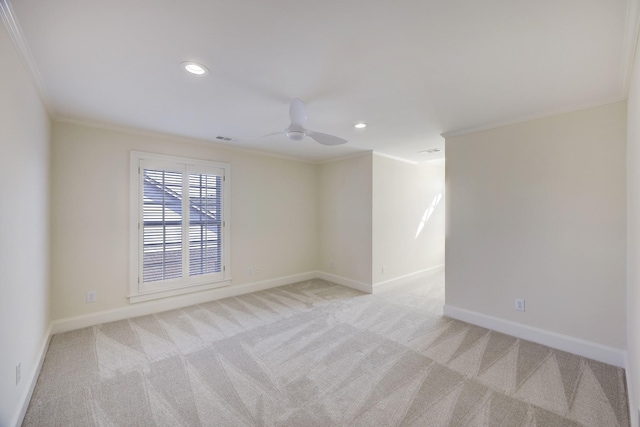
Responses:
[91,296]
[18,373]
[383,269]
[519,304]
[333,264]
[250,271]
[256,270]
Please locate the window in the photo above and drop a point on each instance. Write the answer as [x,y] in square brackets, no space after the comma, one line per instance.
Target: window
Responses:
[179,225]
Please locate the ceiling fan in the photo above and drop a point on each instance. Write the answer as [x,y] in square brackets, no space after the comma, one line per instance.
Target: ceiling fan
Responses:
[296,130]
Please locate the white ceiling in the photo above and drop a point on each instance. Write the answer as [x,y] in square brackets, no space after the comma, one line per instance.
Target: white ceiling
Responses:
[411,69]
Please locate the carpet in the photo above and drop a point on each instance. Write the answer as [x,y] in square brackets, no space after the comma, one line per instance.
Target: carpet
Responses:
[318,354]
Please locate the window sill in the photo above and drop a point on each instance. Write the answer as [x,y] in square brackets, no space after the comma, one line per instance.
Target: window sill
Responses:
[164,293]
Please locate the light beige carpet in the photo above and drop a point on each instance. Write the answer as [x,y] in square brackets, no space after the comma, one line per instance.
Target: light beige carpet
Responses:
[318,354]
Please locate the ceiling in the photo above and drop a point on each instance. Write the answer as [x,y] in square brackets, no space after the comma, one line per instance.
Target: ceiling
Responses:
[411,69]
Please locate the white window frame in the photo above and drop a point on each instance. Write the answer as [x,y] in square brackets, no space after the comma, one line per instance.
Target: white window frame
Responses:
[140,291]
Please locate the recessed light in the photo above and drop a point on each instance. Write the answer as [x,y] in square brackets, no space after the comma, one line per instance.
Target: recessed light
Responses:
[429,151]
[194,68]
[360,125]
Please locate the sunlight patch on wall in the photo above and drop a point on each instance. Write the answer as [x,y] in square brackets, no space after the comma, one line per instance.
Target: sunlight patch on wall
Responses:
[428,213]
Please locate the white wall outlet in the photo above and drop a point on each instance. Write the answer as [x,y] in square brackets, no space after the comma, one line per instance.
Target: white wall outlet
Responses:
[91,296]
[519,304]
[249,271]
[256,270]
[383,269]
[18,373]
[333,264]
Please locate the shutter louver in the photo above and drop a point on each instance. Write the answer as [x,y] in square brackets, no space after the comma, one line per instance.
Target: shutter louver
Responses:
[162,225]
[205,224]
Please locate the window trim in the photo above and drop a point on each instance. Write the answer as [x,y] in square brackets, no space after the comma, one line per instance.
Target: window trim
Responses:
[173,287]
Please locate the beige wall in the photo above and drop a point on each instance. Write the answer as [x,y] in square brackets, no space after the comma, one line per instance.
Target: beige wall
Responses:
[345,203]
[24,230]
[273,214]
[537,211]
[404,240]
[633,240]
[287,217]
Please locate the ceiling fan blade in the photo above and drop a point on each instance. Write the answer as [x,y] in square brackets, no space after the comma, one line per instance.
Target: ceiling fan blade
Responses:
[261,136]
[326,139]
[297,113]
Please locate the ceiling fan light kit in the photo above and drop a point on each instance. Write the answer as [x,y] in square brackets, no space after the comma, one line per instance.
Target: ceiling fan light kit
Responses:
[295,135]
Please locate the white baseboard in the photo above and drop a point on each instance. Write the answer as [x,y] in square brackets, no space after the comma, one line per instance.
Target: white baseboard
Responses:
[33,378]
[354,284]
[179,301]
[156,306]
[634,412]
[409,277]
[602,353]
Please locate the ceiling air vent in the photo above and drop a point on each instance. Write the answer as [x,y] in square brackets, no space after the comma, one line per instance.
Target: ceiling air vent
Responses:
[223,138]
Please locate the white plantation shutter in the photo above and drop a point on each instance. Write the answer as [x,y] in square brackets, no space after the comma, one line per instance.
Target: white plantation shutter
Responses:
[181,226]
[205,223]
[162,225]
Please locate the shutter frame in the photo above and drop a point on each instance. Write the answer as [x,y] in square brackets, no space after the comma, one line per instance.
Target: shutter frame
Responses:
[211,218]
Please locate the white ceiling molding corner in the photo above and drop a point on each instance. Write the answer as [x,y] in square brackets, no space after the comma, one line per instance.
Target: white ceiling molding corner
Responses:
[631,32]
[13,28]
[398,159]
[527,118]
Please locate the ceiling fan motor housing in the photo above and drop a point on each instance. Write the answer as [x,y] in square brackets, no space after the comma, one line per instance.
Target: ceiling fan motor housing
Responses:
[295,135]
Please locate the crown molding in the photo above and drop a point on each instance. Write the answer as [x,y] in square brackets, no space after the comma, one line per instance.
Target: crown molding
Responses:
[631,28]
[355,155]
[112,127]
[15,32]
[398,159]
[530,117]
[631,34]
